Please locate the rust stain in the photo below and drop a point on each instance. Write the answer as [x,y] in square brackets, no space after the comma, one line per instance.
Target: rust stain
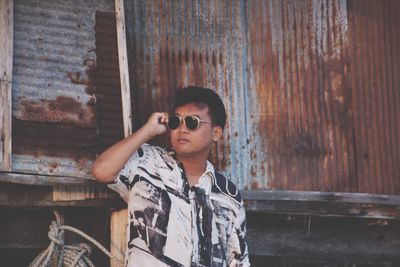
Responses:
[254,184]
[85,76]
[52,166]
[80,77]
[90,89]
[304,146]
[61,110]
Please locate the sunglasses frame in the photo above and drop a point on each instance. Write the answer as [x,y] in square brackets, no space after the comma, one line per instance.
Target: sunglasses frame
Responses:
[183,119]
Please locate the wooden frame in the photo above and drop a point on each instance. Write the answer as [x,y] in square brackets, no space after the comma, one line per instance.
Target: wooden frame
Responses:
[37,196]
[119,218]
[6,62]
[323,203]
[356,205]
[123,67]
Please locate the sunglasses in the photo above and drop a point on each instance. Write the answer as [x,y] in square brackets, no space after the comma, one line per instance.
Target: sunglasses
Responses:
[192,122]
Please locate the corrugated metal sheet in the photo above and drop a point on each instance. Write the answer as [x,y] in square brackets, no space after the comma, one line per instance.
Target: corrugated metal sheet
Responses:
[54,117]
[298,53]
[374,57]
[177,43]
[293,77]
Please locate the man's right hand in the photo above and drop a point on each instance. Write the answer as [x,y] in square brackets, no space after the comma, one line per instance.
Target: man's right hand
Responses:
[156,124]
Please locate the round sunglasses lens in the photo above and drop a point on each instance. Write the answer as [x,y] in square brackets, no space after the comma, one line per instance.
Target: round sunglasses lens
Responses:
[173,122]
[191,122]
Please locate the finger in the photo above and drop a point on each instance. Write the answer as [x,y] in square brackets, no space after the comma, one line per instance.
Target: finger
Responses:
[164,117]
[158,116]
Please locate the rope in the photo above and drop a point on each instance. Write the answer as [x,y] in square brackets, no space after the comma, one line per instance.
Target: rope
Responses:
[61,255]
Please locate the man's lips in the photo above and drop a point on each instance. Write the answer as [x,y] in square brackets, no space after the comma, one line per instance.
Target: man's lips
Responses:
[182,140]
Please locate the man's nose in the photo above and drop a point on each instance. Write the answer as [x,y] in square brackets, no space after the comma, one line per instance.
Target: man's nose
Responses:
[182,128]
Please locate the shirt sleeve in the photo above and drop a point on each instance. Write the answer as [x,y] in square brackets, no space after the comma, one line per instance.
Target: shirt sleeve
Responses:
[238,254]
[125,178]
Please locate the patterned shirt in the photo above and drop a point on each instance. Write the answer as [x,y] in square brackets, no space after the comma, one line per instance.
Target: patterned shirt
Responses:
[171,224]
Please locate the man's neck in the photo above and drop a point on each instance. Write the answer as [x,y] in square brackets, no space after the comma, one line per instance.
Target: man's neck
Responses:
[194,168]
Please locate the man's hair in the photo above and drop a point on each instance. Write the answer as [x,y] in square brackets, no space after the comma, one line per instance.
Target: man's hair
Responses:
[203,97]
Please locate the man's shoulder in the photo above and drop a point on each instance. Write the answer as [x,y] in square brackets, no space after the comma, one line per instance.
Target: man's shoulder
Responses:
[223,185]
[147,152]
[145,147]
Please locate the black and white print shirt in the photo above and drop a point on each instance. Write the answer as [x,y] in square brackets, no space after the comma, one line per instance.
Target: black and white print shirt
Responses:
[171,224]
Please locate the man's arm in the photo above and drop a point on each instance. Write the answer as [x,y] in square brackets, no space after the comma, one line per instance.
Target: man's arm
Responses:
[106,167]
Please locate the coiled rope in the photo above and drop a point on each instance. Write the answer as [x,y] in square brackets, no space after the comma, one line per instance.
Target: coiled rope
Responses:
[61,255]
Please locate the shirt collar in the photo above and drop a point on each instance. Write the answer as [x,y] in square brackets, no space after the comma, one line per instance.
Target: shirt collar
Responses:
[206,179]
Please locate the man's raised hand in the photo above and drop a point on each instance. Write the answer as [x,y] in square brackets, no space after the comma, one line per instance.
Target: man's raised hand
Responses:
[156,124]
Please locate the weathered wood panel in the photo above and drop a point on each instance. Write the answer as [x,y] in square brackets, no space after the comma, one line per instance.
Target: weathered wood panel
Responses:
[6,65]
[119,219]
[30,196]
[123,67]
[323,203]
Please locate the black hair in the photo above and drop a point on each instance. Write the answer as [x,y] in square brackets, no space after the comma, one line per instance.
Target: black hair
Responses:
[204,97]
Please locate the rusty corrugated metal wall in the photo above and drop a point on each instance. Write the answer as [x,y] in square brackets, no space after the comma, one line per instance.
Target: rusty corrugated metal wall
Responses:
[311,87]
[177,43]
[62,50]
[298,54]
[374,56]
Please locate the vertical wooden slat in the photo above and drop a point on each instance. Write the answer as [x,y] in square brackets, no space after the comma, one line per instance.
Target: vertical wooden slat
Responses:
[118,227]
[6,63]
[119,219]
[123,67]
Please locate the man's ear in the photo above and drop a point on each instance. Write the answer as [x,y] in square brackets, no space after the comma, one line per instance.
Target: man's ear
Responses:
[217,133]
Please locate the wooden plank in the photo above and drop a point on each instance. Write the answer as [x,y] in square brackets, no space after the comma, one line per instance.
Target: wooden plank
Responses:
[261,201]
[123,67]
[119,218]
[6,62]
[119,221]
[323,204]
[69,193]
[26,196]
[45,180]
[332,197]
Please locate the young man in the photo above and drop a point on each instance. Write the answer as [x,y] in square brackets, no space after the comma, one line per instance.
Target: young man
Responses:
[181,211]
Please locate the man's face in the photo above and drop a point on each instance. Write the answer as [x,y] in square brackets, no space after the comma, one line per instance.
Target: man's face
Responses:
[196,143]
